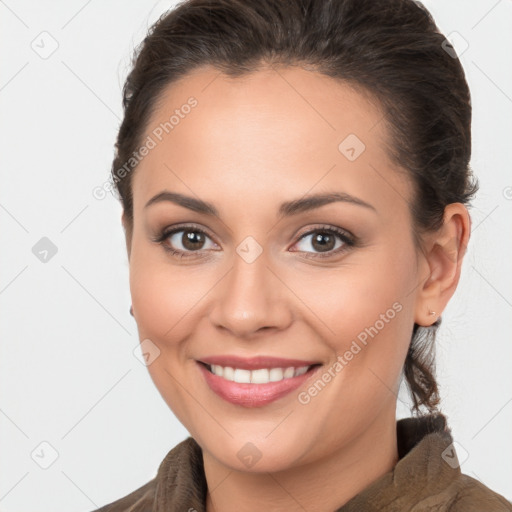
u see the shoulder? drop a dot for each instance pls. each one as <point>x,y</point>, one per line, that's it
<point>471,495</point>
<point>175,467</point>
<point>139,500</point>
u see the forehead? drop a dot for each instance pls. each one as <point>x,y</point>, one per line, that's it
<point>272,131</point>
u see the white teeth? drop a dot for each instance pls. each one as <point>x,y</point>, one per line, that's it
<point>301,371</point>
<point>243,376</point>
<point>228,372</point>
<point>218,370</point>
<point>260,376</point>
<point>289,372</point>
<point>276,374</point>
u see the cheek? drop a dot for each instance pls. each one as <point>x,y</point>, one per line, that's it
<point>357,295</point>
<point>163,301</point>
<point>366,314</point>
<point>163,295</point>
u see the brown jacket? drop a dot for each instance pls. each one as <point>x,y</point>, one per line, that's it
<point>426,478</point>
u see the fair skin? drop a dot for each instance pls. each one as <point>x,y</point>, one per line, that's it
<point>250,144</point>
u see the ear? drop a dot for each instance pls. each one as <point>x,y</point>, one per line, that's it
<point>443,252</point>
<point>127,233</point>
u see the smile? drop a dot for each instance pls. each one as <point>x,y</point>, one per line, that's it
<point>254,382</point>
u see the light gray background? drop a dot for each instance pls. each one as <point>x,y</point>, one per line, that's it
<point>68,374</point>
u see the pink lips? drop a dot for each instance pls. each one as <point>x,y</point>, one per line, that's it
<point>253,395</point>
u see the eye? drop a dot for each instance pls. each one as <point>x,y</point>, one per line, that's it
<point>191,241</point>
<point>184,241</point>
<point>324,239</point>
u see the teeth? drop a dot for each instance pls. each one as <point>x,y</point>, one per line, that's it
<point>301,371</point>
<point>260,376</point>
<point>243,376</point>
<point>227,372</point>
<point>218,370</point>
<point>276,374</point>
<point>289,372</point>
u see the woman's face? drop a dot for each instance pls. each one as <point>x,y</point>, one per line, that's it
<point>268,276</point>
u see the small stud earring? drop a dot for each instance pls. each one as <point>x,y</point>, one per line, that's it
<point>432,313</point>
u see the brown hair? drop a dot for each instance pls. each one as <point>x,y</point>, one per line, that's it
<point>391,49</point>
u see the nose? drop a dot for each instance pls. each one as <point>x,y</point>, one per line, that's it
<point>251,298</point>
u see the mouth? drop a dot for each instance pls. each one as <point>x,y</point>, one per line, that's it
<point>255,382</point>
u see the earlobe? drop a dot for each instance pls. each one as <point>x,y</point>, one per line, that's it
<point>443,255</point>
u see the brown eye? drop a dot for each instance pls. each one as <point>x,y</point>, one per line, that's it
<point>324,242</point>
<point>192,240</point>
<point>185,241</point>
<point>188,240</point>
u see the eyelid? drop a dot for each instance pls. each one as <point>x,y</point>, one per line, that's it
<point>327,227</point>
<point>170,230</point>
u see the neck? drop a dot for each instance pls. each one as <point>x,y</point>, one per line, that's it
<point>343,473</point>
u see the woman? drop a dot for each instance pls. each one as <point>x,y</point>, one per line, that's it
<point>294,177</point>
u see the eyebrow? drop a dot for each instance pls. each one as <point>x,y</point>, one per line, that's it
<point>287,209</point>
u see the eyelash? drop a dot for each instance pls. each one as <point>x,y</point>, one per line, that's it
<point>347,239</point>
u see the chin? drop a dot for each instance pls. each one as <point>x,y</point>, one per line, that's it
<point>253,452</point>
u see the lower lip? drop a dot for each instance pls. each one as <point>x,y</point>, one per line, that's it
<point>253,395</point>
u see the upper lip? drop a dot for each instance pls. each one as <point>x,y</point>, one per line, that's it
<point>255,363</point>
